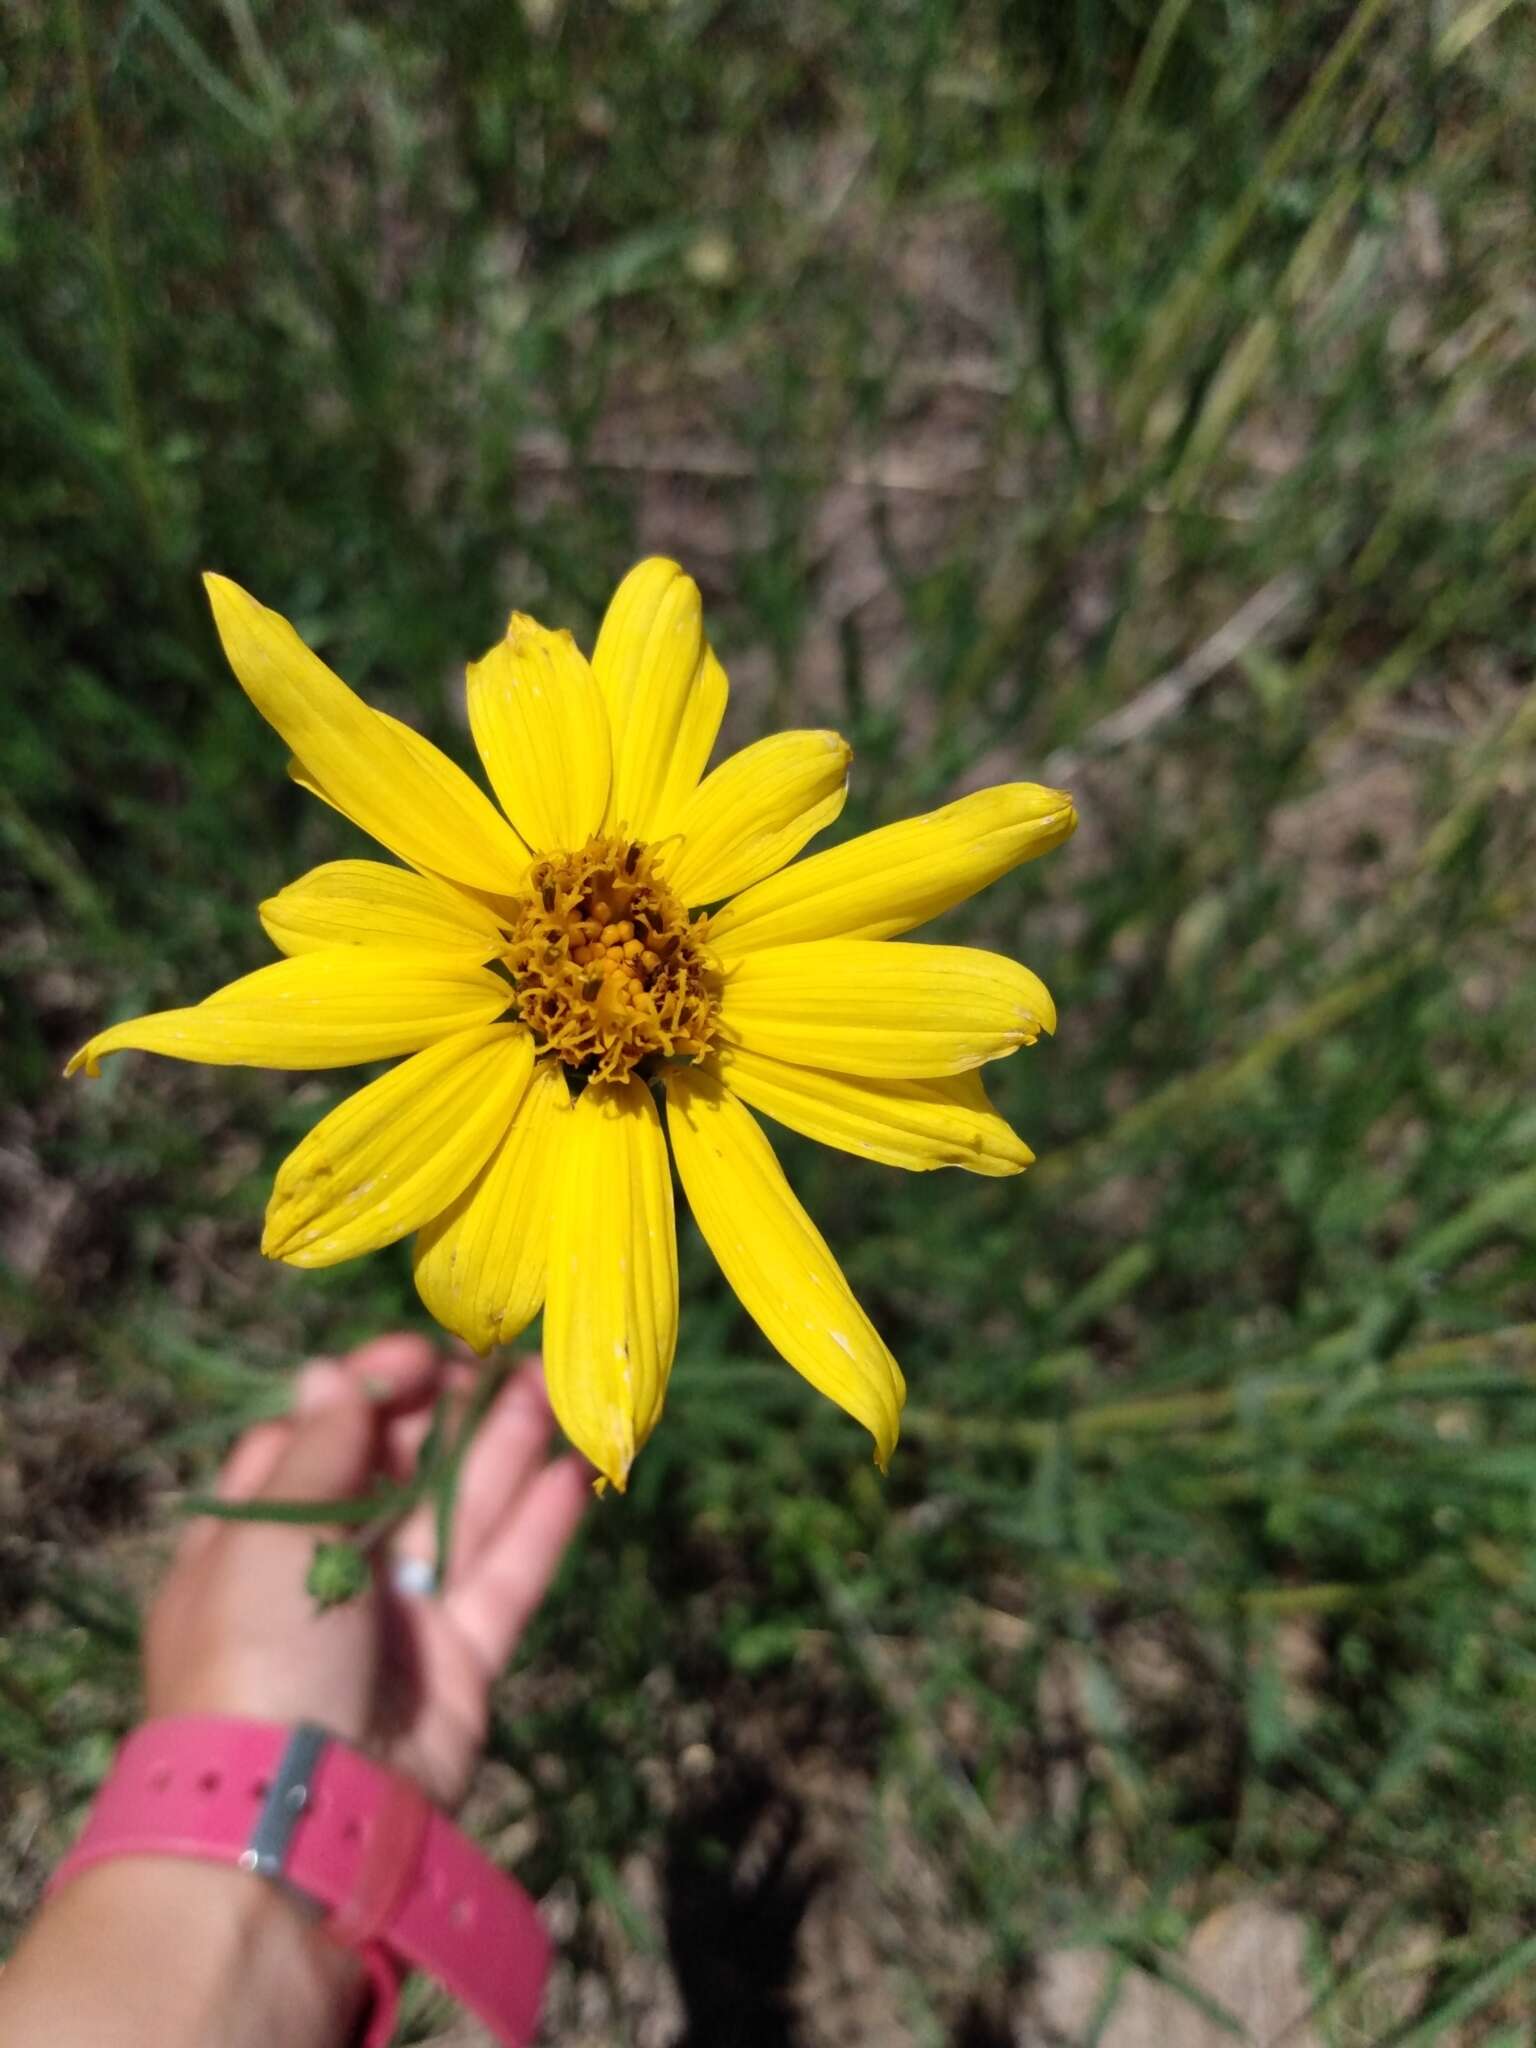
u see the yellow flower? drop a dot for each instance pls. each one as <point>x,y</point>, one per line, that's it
<point>547,977</point>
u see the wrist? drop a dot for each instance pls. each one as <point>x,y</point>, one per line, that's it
<point>181,1955</point>
<point>398,1885</point>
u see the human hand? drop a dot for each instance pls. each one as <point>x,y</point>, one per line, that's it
<point>235,1631</point>
<point>153,1952</point>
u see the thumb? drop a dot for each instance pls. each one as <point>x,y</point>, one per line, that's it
<point>330,1453</point>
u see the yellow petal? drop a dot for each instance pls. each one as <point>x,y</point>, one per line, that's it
<point>480,1265</point>
<point>610,1307</point>
<point>503,904</point>
<point>384,777</point>
<point>329,1009</point>
<point>665,694</point>
<point>365,903</point>
<point>891,880</point>
<point>398,1151</point>
<point>538,719</point>
<point>698,729</point>
<point>774,1256</point>
<point>756,811</point>
<point>898,1012</point>
<point>915,1124</point>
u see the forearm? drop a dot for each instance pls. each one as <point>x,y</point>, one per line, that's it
<point>155,1953</point>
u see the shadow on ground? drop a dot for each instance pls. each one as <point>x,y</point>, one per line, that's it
<point>740,1881</point>
<point>738,1888</point>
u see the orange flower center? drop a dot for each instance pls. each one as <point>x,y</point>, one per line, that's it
<point>609,971</point>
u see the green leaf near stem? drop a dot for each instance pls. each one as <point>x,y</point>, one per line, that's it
<point>338,1572</point>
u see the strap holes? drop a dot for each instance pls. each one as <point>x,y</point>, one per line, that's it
<point>260,1787</point>
<point>210,1781</point>
<point>354,1830</point>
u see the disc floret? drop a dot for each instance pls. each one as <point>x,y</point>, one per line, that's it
<point>608,967</point>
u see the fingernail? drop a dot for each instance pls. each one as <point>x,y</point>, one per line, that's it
<point>318,1386</point>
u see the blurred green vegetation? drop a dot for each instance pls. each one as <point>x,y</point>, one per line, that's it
<point>1133,394</point>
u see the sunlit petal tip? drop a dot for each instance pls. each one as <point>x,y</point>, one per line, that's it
<point>336,1007</point>
<point>754,813</point>
<point>610,1309</point>
<point>525,632</point>
<point>611,1457</point>
<point>917,1125</point>
<point>540,726</point>
<point>665,694</point>
<point>891,1011</point>
<point>774,1257</point>
<point>832,743</point>
<point>386,777</point>
<point>1061,822</point>
<point>648,581</point>
<point>899,876</point>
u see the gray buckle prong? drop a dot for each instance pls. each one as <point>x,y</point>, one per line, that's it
<point>292,1787</point>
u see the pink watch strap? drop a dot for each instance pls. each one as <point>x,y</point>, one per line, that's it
<point>395,1878</point>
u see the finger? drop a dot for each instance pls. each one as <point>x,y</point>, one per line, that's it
<point>406,1431</point>
<point>398,1371</point>
<point>329,1452</point>
<point>497,1599</point>
<point>405,1439</point>
<point>242,1476</point>
<point>509,1448</point>
<point>251,1463</point>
